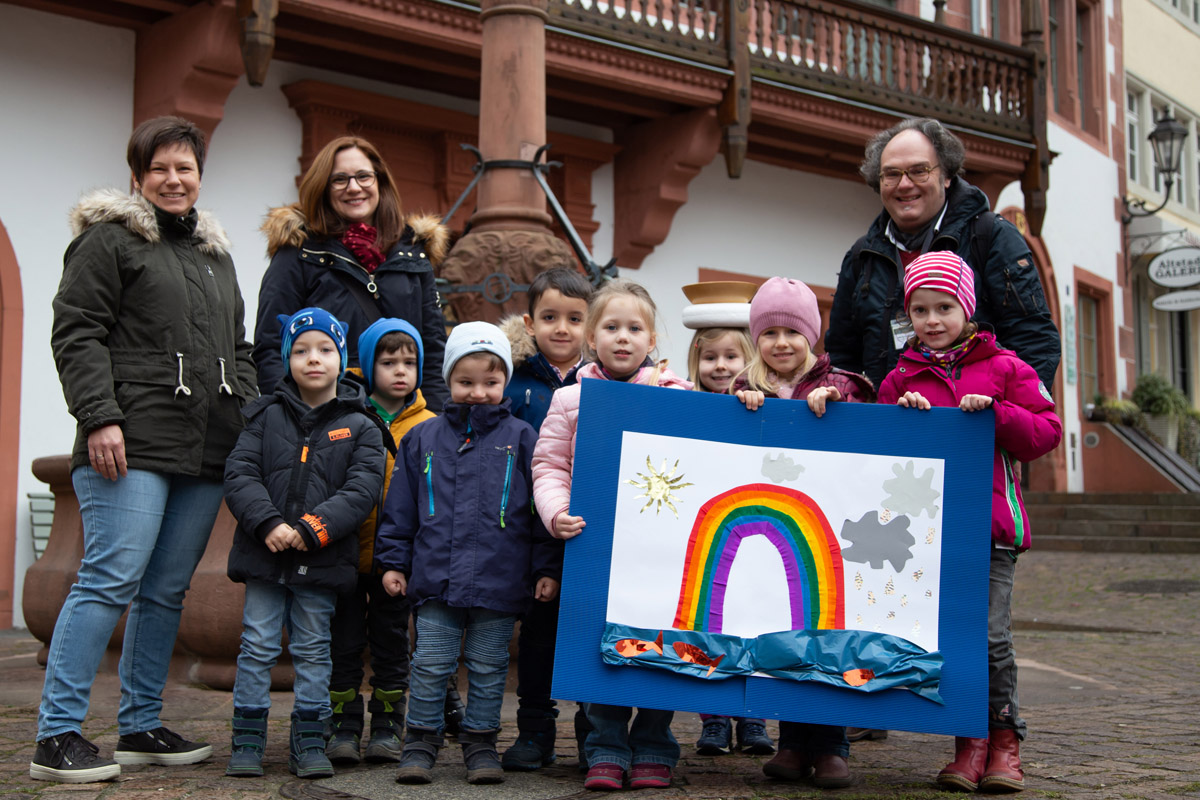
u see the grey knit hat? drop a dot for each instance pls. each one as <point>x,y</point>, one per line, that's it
<point>476,337</point>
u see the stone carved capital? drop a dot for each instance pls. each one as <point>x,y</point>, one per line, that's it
<point>517,255</point>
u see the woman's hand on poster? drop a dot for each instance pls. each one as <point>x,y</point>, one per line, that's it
<point>751,398</point>
<point>567,526</point>
<point>106,451</point>
<point>546,589</point>
<point>914,400</point>
<point>975,402</point>
<point>818,397</point>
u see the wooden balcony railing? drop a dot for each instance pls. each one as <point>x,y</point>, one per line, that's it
<point>847,49</point>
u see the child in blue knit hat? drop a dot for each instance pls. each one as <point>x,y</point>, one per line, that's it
<point>305,473</point>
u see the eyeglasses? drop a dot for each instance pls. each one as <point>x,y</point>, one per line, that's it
<point>340,180</point>
<point>891,177</point>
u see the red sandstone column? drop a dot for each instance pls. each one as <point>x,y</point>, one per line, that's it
<point>510,231</point>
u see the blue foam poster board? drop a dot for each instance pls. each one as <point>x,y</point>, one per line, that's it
<point>963,441</point>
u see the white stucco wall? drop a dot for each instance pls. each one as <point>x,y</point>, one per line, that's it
<point>771,221</point>
<point>64,130</point>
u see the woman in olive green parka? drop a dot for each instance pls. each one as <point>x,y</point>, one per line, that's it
<point>150,343</point>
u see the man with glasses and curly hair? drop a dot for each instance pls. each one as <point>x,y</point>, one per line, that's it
<point>916,167</point>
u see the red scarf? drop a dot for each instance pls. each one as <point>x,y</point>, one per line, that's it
<point>360,239</point>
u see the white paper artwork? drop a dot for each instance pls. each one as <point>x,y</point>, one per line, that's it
<point>885,512</point>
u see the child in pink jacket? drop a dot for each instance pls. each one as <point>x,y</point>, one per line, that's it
<point>620,334</point>
<point>951,363</point>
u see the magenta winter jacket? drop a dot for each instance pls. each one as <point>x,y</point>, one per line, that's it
<point>554,455</point>
<point>1026,425</point>
<point>853,387</point>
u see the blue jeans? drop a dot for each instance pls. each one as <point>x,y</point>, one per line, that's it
<point>307,611</point>
<point>440,631</point>
<point>143,536</point>
<point>614,741</point>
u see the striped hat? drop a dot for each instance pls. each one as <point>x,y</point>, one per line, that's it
<point>942,271</point>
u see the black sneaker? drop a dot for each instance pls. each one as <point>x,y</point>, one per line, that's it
<point>159,746</point>
<point>716,737</point>
<point>70,758</point>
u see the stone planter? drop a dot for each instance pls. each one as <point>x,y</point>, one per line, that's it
<point>211,626</point>
<point>1164,428</point>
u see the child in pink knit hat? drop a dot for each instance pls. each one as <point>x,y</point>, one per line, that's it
<point>785,321</point>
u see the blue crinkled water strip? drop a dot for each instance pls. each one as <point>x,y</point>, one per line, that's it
<point>823,656</point>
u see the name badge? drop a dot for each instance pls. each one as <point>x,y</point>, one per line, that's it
<point>902,331</point>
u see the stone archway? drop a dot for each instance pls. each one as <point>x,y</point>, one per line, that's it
<point>12,315</point>
<point>1048,473</point>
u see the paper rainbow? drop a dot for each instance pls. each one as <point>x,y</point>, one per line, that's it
<point>794,524</point>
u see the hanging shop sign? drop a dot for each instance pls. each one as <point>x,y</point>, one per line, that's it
<point>1178,301</point>
<point>1176,268</point>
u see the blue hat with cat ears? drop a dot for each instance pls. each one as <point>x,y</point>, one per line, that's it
<point>312,319</point>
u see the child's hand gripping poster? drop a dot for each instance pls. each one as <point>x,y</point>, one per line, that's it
<point>773,564</point>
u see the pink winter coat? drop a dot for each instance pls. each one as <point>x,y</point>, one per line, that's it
<point>554,455</point>
<point>853,387</point>
<point>1026,425</point>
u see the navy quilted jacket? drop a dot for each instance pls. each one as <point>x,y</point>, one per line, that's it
<point>458,519</point>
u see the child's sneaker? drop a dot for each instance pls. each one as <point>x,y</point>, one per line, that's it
<point>716,738</point>
<point>604,777</point>
<point>160,746</point>
<point>650,776</point>
<point>752,738</point>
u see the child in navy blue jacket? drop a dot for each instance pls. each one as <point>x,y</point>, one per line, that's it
<point>304,474</point>
<point>547,351</point>
<point>459,538</point>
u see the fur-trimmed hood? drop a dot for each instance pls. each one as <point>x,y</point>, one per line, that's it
<point>138,215</point>
<point>285,226</point>
<point>523,345</point>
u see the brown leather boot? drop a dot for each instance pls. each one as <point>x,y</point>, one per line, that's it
<point>830,771</point>
<point>1004,764</point>
<point>970,760</point>
<point>788,765</point>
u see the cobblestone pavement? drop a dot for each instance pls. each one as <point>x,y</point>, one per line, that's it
<point>1108,688</point>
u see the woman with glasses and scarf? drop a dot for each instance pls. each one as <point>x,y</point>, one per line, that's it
<point>347,247</point>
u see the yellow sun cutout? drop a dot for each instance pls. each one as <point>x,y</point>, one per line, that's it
<point>659,485</point>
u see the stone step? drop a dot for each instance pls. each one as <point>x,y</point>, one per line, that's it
<point>1114,544</point>
<point>1130,513</point>
<point>1114,529</point>
<point>1114,498</point>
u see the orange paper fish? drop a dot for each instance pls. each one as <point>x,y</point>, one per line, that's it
<point>632,648</point>
<point>694,655</point>
<point>858,677</point>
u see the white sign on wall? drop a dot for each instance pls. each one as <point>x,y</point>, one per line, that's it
<point>1176,268</point>
<point>1178,301</point>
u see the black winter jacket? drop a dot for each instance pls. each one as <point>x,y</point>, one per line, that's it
<point>149,333</point>
<point>316,272</point>
<point>1008,293</point>
<point>318,469</point>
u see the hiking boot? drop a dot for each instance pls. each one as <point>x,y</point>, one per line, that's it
<point>421,747</point>
<point>387,709</point>
<point>534,748</point>
<point>752,737</point>
<point>249,740</point>
<point>306,751</point>
<point>1003,773</point>
<point>454,708</point>
<point>70,758</point>
<point>479,754</point>
<point>344,726</point>
<point>716,738</point>
<point>159,746</point>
